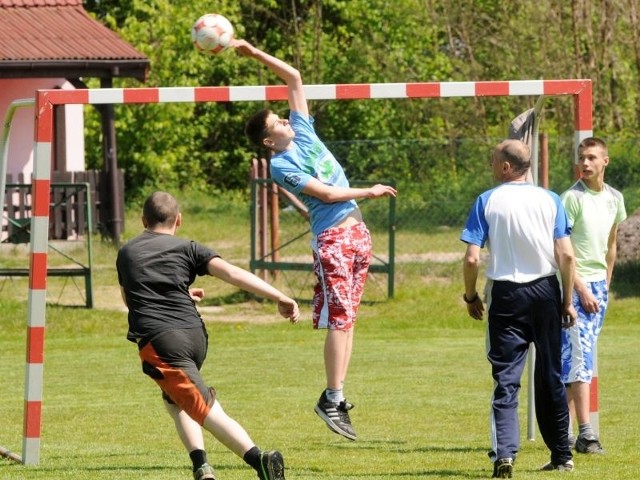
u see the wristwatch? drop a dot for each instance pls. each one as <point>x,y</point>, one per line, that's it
<point>470,300</point>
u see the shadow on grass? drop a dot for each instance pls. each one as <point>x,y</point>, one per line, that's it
<point>430,473</point>
<point>440,449</point>
<point>67,306</point>
<point>476,474</point>
<point>124,468</point>
<point>626,279</point>
<point>396,446</point>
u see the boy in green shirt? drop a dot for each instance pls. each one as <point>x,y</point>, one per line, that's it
<point>595,209</point>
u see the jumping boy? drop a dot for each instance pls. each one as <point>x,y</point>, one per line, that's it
<point>341,245</point>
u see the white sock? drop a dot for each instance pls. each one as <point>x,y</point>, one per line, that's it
<point>334,396</point>
<point>586,430</point>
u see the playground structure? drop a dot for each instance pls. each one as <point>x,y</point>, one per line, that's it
<point>72,208</point>
<point>45,100</point>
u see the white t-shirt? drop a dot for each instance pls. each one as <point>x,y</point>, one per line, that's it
<point>519,223</point>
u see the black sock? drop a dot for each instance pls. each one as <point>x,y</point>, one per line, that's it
<point>252,458</point>
<point>199,458</point>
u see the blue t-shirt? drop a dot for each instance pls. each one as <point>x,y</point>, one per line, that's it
<point>310,158</point>
<point>519,222</point>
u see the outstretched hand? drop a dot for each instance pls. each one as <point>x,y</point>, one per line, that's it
<point>380,190</point>
<point>288,308</point>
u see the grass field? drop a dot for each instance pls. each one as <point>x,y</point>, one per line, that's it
<point>419,379</point>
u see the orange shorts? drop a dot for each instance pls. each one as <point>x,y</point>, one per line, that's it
<point>173,360</point>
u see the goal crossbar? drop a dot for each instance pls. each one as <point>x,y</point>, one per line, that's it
<point>45,100</point>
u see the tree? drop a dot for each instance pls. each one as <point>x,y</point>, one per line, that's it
<point>439,143</point>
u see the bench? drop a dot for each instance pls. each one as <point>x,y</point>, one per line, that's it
<point>59,272</point>
<point>69,215</point>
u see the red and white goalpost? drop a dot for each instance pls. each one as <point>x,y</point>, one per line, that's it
<point>45,100</point>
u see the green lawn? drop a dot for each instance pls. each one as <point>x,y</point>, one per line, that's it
<point>419,379</point>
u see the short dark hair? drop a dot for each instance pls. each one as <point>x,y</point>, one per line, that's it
<point>160,208</point>
<point>256,127</point>
<point>593,142</point>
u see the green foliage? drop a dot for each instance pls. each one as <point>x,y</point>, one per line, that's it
<point>622,171</point>
<point>419,376</point>
<point>172,145</point>
<point>375,41</point>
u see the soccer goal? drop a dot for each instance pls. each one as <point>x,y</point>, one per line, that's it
<point>45,100</point>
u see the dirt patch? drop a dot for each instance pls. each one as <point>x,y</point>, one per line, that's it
<point>108,298</point>
<point>629,239</point>
<point>438,257</point>
<point>245,314</point>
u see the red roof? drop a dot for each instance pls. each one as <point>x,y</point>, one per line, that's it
<point>49,38</point>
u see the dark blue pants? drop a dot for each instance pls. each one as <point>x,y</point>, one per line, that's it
<point>521,314</point>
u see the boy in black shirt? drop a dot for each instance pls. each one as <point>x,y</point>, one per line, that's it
<point>155,271</point>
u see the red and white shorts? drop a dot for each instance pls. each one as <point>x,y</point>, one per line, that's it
<point>341,258</point>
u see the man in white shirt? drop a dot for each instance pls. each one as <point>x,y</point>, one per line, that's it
<point>527,231</point>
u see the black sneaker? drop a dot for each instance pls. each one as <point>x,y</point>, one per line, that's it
<point>503,468</point>
<point>205,472</point>
<point>271,466</point>
<point>336,416</point>
<point>588,444</point>
<point>562,467</point>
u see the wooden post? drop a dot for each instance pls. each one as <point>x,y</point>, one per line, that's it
<point>275,227</point>
<point>264,221</point>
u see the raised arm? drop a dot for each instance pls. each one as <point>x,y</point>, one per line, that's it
<point>284,71</point>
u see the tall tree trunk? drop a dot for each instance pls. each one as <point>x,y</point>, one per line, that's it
<point>635,32</point>
<point>317,42</point>
<point>607,65</point>
<point>577,48</point>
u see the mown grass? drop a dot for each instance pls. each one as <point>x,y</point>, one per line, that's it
<point>419,379</point>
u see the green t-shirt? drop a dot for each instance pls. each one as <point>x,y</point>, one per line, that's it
<point>592,214</point>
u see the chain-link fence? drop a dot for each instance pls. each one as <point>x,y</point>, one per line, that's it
<point>403,240</point>
<point>437,183</point>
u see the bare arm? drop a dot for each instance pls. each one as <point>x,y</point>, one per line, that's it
<point>124,296</point>
<point>331,194</point>
<point>287,307</point>
<point>470,269</point>
<point>587,299</point>
<point>612,252</point>
<point>565,258</point>
<point>284,71</point>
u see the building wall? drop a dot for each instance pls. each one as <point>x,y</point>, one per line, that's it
<point>21,141</point>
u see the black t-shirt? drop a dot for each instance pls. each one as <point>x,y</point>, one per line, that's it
<point>156,270</point>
